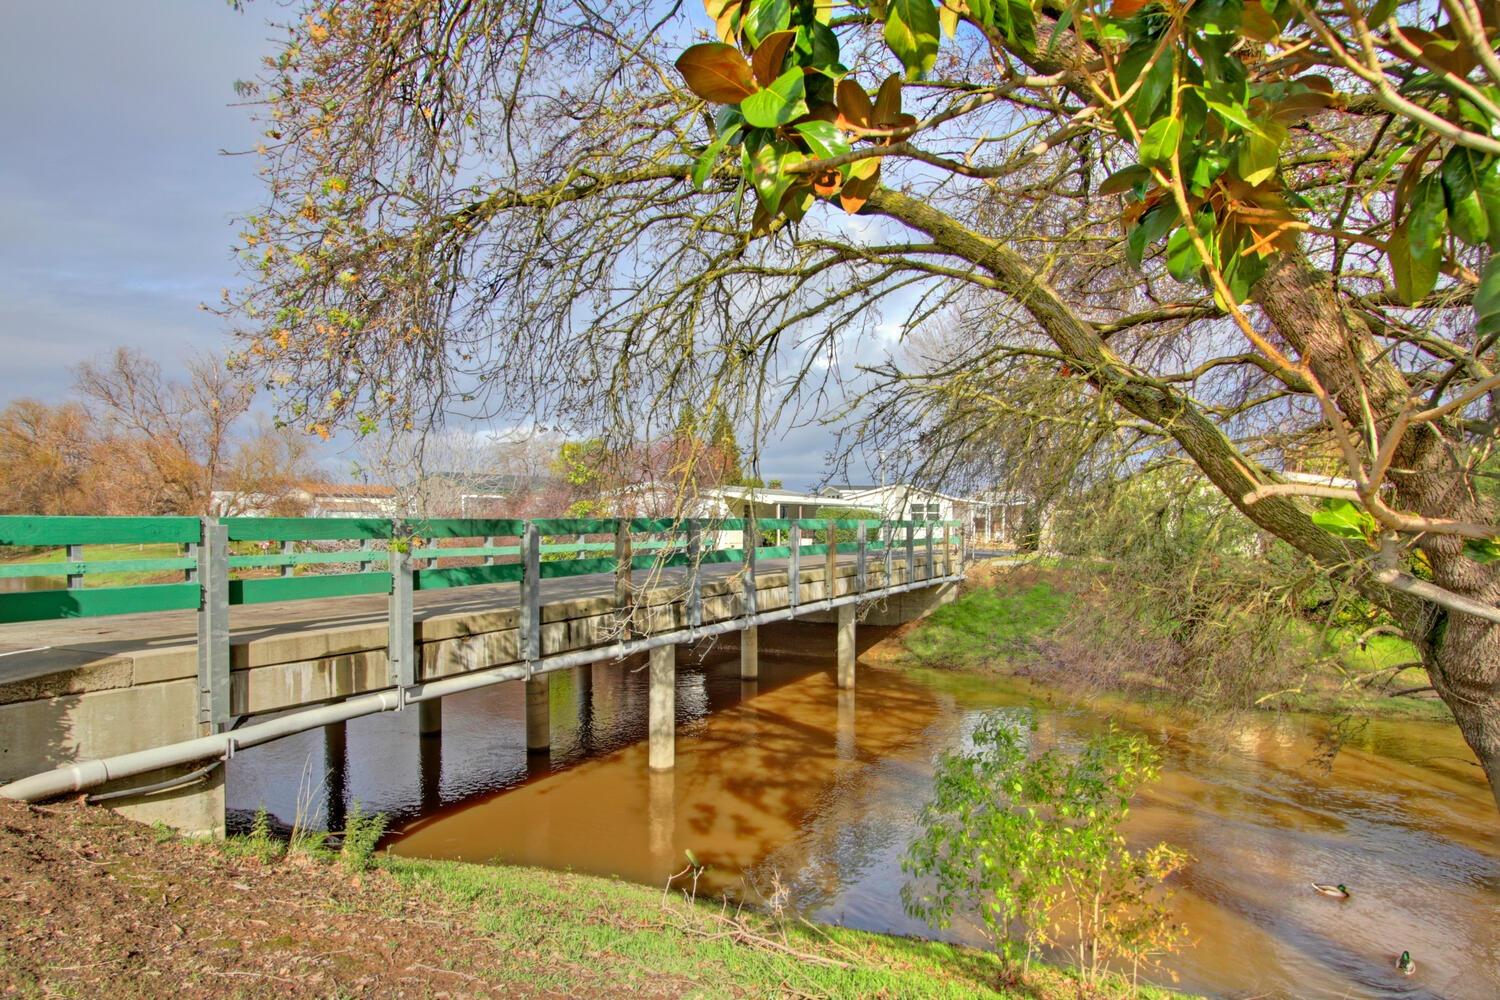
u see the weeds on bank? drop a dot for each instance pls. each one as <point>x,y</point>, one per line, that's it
<point>362,831</point>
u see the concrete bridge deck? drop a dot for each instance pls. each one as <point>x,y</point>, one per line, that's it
<point>90,689</point>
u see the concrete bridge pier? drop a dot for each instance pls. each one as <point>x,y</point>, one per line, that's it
<point>538,714</point>
<point>430,716</point>
<point>750,653</point>
<point>846,646</point>
<point>662,712</point>
<point>335,772</point>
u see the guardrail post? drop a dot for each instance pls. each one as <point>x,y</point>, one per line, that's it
<point>911,553</point>
<point>927,573</point>
<point>365,545</point>
<point>213,626</point>
<point>830,560</point>
<point>694,598</point>
<point>531,596</point>
<point>947,551</point>
<point>794,566</point>
<point>287,548</point>
<point>401,647</point>
<point>862,535</point>
<point>623,596</point>
<point>751,540</point>
<point>889,531</point>
<point>75,554</point>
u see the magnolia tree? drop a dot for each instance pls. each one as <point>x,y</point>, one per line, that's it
<point>1252,236</point>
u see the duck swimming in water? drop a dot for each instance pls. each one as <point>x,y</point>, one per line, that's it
<point>1405,965</point>
<point>1336,891</point>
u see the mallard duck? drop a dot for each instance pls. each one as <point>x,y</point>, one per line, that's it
<point>1405,965</point>
<point>1336,891</point>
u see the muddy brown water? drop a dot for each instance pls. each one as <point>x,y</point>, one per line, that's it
<point>787,781</point>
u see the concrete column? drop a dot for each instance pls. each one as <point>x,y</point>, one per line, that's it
<point>663,708</point>
<point>335,772</point>
<point>846,645</point>
<point>662,821</point>
<point>750,653</point>
<point>538,714</point>
<point>430,716</point>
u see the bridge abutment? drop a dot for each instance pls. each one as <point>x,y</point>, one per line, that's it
<point>662,710</point>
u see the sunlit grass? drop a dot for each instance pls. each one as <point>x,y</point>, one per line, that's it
<point>549,927</point>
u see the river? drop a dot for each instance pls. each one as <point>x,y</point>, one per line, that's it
<point>787,781</point>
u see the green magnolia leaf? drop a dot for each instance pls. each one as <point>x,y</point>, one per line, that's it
<point>1344,519</point>
<point>1460,176</point>
<point>1160,142</point>
<point>1183,260</point>
<point>1426,225</point>
<point>1487,299</point>
<point>911,31</point>
<point>766,17</point>
<point>1232,114</point>
<point>1484,550</point>
<point>1124,179</point>
<point>1259,152</point>
<point>705,163</point>
<point>823,138</point>
<point>777,104</point>
<point>1016,22</point>
<point>1153,226</point>
<point>768,173</point>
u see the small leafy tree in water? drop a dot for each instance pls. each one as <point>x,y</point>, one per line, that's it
<point>1031,845</point>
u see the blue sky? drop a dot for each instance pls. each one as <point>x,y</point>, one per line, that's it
<point>117,201</point>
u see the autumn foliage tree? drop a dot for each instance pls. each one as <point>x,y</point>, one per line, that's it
<point>1231,233</point>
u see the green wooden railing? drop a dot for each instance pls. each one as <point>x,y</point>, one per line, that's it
<point>94,572</point>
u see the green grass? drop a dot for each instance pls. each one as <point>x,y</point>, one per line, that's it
<point>552,927</point>
<point>987,624</point>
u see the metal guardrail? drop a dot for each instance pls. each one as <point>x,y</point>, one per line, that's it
<point>400,557</point>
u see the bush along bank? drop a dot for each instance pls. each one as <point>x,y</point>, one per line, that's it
<point>1079,624</point>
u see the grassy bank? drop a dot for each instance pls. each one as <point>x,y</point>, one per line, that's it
<point>1026,619</point>
<point>93,904</point>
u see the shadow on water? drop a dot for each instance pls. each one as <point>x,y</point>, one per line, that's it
<point>787,780</point>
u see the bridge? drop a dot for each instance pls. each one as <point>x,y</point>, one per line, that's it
<point>157,647</point>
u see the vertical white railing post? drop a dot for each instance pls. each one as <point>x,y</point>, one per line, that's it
<point>531,596</point>
<point>694,598</point>
<point>213,626</point>
<point>751,540</point>
<point>861,582</point>
<point>911,553</point>
<point>927,571</point>
<point>401,645</point>
<point>794,566</point>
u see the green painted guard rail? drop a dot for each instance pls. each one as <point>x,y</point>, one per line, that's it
<point>92,577</point>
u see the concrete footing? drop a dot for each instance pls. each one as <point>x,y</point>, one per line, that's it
<point>846,646</point>
<point>430,716</point>
<point>750,653</point>
<point>538,714</point>
<point>662,715</point>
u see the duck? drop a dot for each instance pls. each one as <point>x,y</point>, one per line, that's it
<point>1405,965</point>
<point>1336,891</point>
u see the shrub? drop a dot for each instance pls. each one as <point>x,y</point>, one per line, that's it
<point>1031,845</point>
<point>362,831</point>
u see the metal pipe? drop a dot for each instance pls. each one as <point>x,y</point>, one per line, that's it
<point>93,773</point>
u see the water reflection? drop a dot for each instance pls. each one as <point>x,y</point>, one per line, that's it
<point>787,778</point>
